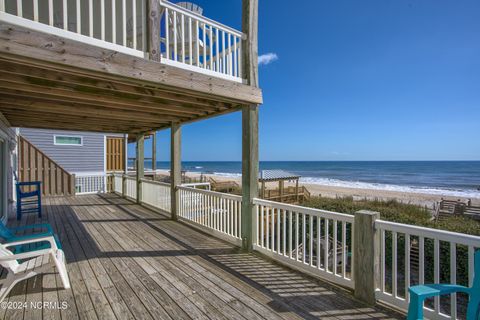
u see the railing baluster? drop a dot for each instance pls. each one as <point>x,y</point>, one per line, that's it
<point>304,244</point>
<point>310,249</point>
<point>267,225</point>
<point>217,50</point>
<point>124,22</point>
<point>90,18</point>
<point>278,218</point>
<point>296,235</point>
<point>65,14</point>
<point>436,271</point>
<point>114,21</point>
<point>394,264</point>
<point>211,46</point>
<point>20,8</point>
<point>79,17</point>
<point>326,240</point>
<point>334,262</point>
<point>197,42</point>
<point>407,266</point>
<point>284,227</point>
<point>453,279</point>
<point>471,266</point>
<point>167,34</point>
<point>290,234</point>
<point>190,41</point>
<point>382,260</point>
<point>102,19</point>
<point>175,52</point>
<point>262,228</point>
<point>319,243</point>
<point>204,34</point>
<point>344,249</point>
<point>272,210</point>
<point>182,21</point>
<point>235,66</point>
<point>134,23</point>
<point>421,258</point>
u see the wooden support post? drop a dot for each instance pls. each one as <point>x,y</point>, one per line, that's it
<point>280,190</point>
<point>296,191</point>
<point>249,124</point>
<point>153,37</point>
<point>366,248</point>
<point>124,185</point>
<point>175,167</point>
<point>140,159</point>
<point>125,155</point>
<point>154,152</point>
<point>249,173</point>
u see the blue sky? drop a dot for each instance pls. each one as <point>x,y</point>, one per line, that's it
<point>355,80</point>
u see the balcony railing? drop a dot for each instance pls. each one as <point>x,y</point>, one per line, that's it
<point>187,39</point>
<point>321,243</point>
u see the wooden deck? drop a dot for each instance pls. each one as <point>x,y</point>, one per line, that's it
<point>127,262</point>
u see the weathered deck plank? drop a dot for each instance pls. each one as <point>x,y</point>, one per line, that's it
<point>128,262</point>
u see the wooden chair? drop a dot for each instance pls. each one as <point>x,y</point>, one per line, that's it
<point>29,198</point>
<point>418,294</point>
<point>22,266</point>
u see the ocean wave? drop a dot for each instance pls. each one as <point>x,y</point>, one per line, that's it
<point>228,174</point>
<point>391,187</point>
<point>198,167</point>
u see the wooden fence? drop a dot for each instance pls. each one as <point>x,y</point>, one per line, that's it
<point>34,165</point>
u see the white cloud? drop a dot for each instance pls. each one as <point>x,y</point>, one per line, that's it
<point>267,58</point>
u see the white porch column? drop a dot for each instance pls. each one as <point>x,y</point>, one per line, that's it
<point>175,167</point>
<point>140,154</point>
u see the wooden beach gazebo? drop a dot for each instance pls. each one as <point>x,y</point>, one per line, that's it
<point>280,176</point>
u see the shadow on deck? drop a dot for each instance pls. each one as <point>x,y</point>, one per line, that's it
<point>128,262</point>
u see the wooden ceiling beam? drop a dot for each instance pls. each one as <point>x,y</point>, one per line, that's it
<point>59,108</point>
<point>24,68</point>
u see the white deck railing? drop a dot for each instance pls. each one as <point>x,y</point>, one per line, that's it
<point>90,183</point>
<point>413,255</point>
<point>315,241</point>
<point>188,40</point>
<point>220,212</point>
<point>118,183</point>
<point>204,45</point>
<point>156,194</point>
<point>130,187</point>
<point>320,243</point>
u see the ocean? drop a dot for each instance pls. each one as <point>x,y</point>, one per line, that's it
<point>449,178</point>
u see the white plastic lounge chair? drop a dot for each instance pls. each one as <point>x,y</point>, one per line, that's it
<point>28,264</point>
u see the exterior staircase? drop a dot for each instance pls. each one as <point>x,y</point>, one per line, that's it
<point>34,165</point>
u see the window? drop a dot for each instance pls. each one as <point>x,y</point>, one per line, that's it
<point>68,140</point>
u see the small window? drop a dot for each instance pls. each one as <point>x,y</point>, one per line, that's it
<point>68,140</point>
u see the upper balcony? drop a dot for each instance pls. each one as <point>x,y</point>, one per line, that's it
<point>186,38</point>
<point>165,60</point>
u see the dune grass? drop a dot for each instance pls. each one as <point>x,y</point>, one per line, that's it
<point>395,211</point>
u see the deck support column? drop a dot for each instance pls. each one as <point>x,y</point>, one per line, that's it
<point>154,152</point>
<point>175,168</point>
<point>140,154</point>
<point>249,174</point>
<point>366,248</point>
<point>249,124</point>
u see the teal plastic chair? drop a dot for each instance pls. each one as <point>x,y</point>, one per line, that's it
<point>10,235</point>
<point>418,294</point>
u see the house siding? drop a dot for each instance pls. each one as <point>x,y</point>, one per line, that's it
<point>75,159</point>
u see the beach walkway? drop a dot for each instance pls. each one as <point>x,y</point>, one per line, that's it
<point>128,262</point>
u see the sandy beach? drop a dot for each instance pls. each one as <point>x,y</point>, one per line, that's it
<point>423,199</point>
